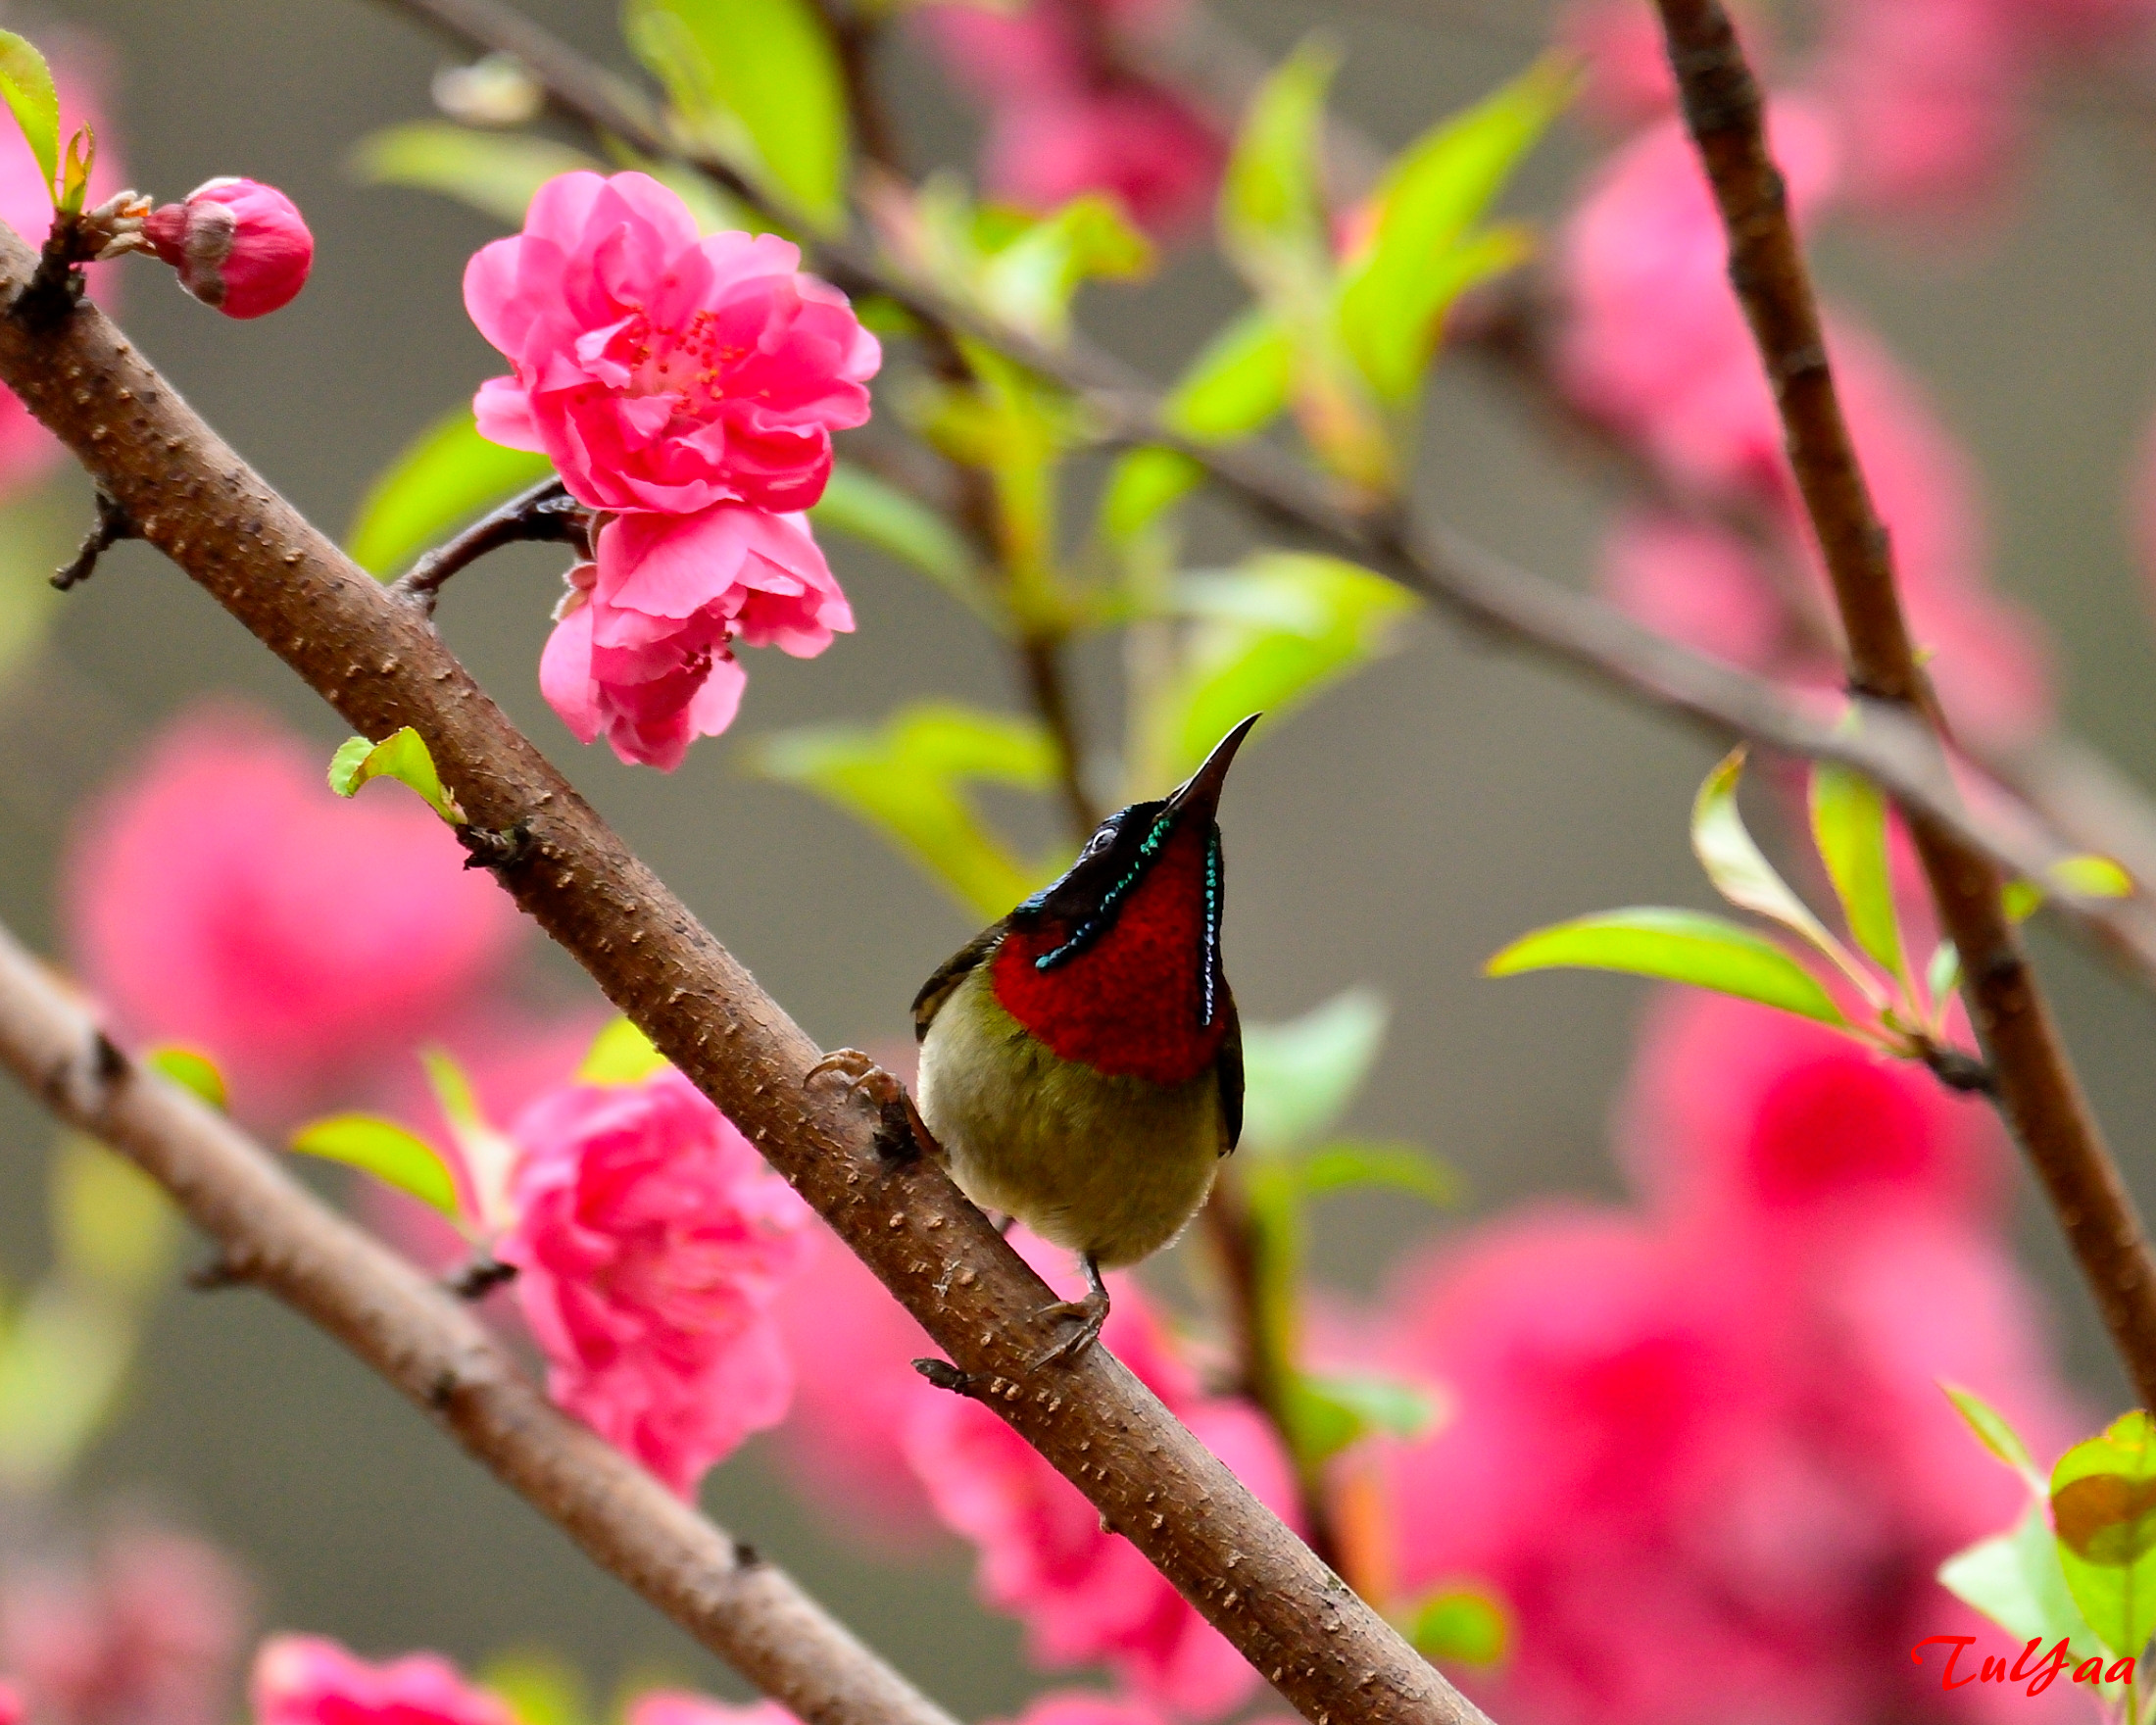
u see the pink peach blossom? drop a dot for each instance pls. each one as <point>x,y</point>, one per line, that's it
<point>222,896</point>
<point>1083,1594</point>
<point>665,1707</point>
<point>309,1680</point>
<point>660,370</point>
<point>143,1628</point>
<point>643,651</point>
<point>12,1711</point>
<point>241,247</point>
<point>652,1240</point>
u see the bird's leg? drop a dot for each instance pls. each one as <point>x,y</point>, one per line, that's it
<point>903,1134</point>
<point>1091,1312</point>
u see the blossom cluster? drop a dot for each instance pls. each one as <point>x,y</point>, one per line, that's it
<point>686,387</point>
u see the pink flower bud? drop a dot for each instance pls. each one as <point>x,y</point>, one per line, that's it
<point>239,246</point>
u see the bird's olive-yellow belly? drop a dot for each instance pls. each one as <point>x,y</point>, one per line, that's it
<point>1111,1166</point>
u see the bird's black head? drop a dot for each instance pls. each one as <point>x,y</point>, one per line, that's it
<point>1124,848</point>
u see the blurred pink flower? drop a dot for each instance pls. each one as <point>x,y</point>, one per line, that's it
<point>652,1240</point>
<point>856,1389</point>
<point>643,651</point>
<point>1082,1593</point>
<point>1746,1122</point>
<point>143,1630</point>
<point>660,370</point>
<point>27,451</point>
<point>309,1680</point>
<point>1085,1706</point>
<point>222,896</point>
<point>11,1703</point>
<point>240,247</point>
<point>666,1706</point>
<point>1656,350</point>
<point>1066,114</point>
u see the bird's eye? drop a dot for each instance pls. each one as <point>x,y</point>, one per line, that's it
<point>1102,837</point>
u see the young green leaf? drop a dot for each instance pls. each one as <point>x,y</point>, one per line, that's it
<point>1298,1077</point>
<point>621,1054</point>
<point>387,1151</point>
<point>1676,945</point>
<point>2092,877</point>
<point>489,1157</point>
<point>1354,1163</point>
<point>759,82</point>
<point>75,175</point>
<point>540,1686</point>
<point>2014,1579</point>
<point>1745,877</point>
<point>1422,252</point>
<point>495,172</point>
<point>858,503</point>
<point>1330,1413</point>
<point>440,480</point>
<point>1461,1625</point>
<point>1850,826</point>
<point>25,81</point>
<point>1942,975</point>
<point>1997,1435</point>
<point>1272,215</point>
<point>1269,637</point>
<point>2103,1509</point>
<point>1031,280</point>
<point>403,757</point>
<point>62,1364</point>
<point>1145,483</point>
<point>190,1069</point>
<point>1237,384</point>
<point>113,1226</point>
<point>2019,899</point>
<point>907,779</point>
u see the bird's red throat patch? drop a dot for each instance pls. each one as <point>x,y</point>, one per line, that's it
<point>1132,1003</point>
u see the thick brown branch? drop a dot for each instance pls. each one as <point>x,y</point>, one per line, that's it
<point>382,666</point>
<point>272,1234</point>
<point>2035,1085</point>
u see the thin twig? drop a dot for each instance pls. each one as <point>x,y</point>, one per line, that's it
<point>382,666</point>
<point>274,1234</point>
<point>1041,664</point>
<point>2032,1075</point>
<point>108,530</point>
<point>545,515</point>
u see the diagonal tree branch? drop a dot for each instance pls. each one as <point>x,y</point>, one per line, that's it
<point>2036,1087</point>
<point>271,1231</point>
<point>379,663</point>
<point>1509,603</point>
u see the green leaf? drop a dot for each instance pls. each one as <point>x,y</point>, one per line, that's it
<point>2021,899</point>
<point>540,1686</point>
<point>403,757</point>
<point>1298,1077</point>
<point>907,779</point>
<point>1239,382</point>
<point>62,1364</point>
<point>1269,637</point>
<point>1850,826</point>
<point>1422,252</point>
<point>26,81</point>
<point>191,1069</point>
<point>1943,974</point>
<point>113,1226</point>
<point>621,1054</point>
<point>759,82</point>
<point>2093,878</point>
<point>1031,281</point>
<point>2014,1578</point>
<point>488,1154</point>
<point>1144,483</point>
<point>1272,215</point>
<point>387,1151</point>
<point>1735,864</point>
<point>1354,1163</point>
<point>862,506</point>
<point>39,530</point>
<point>1461,1625</point>
<point>2103,1509</point>
<point>1995,1434</point>
<point>75,177</point>
<point>444,477</point>
<point>1332,1411</point>
<point>1676,945</point>
<point>495,172</point>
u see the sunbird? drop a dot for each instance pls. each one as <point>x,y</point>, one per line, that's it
<point>1081,1057</point>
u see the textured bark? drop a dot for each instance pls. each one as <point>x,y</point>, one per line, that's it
<point>2035,1085</point>
<point>378,661</point>
<point>272,1232</point>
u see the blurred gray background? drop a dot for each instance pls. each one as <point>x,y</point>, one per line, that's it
<point>1395,834</point>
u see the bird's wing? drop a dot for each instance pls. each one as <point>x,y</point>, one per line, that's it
<point>948,974</point>
<point>1228,1065</point>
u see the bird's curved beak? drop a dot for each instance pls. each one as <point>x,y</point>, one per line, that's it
<point>1201,790</point>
